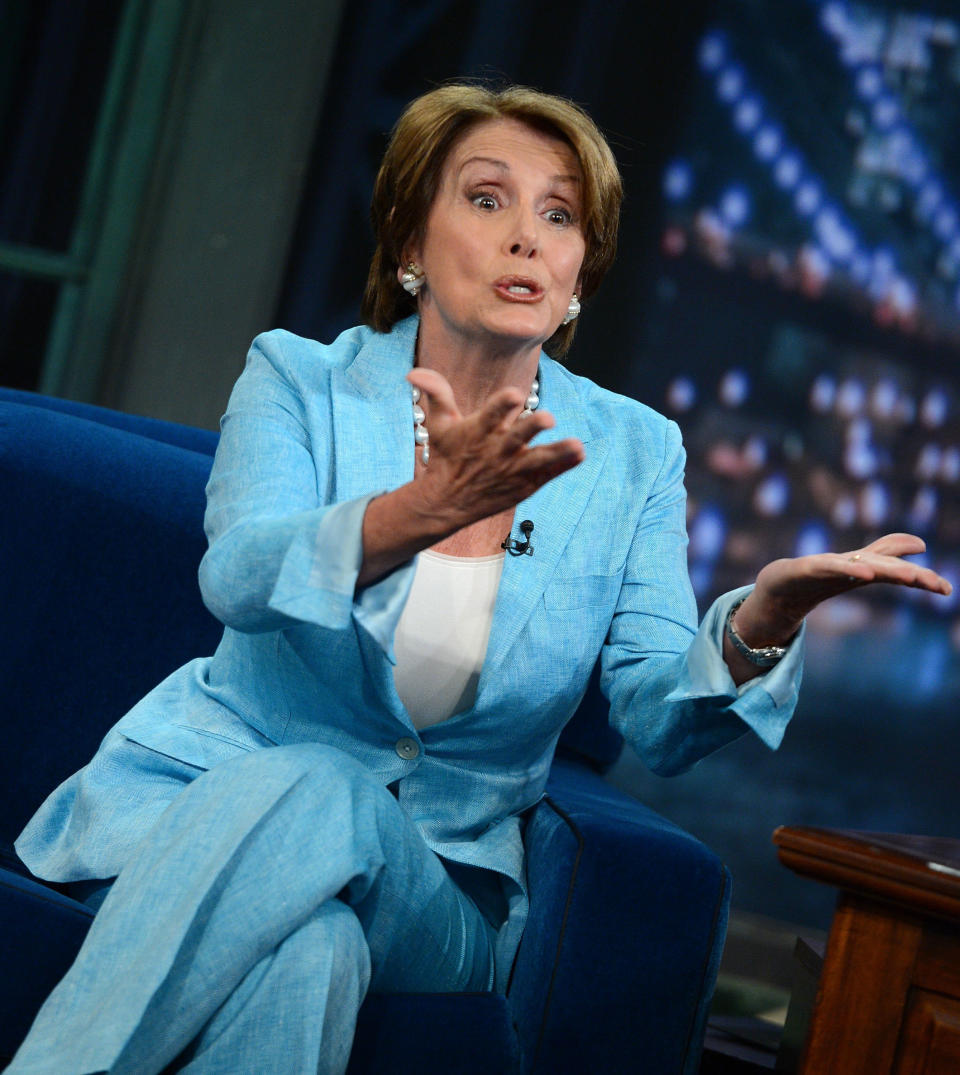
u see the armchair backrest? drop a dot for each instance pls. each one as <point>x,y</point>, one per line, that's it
<point>100,535</point>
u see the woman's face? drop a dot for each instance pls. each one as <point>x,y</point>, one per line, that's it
<point>503,243</point>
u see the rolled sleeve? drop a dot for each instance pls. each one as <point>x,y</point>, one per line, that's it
<point>764,703</point>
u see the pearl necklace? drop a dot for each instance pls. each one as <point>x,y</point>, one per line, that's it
<point>422,437</point>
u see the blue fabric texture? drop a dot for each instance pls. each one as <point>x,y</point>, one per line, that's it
<point>250,922</point>
<point>310,434</point>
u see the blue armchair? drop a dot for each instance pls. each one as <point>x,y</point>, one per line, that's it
<point>100,537</point>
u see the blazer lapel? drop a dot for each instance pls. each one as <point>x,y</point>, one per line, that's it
<point>555,510</point>
<point>371,404</point>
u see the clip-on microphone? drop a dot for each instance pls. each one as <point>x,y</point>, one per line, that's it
<point>520,548</point>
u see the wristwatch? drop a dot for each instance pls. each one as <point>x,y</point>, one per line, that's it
<point>763,656</point>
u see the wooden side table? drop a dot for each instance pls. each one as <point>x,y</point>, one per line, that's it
<point>889,993</point>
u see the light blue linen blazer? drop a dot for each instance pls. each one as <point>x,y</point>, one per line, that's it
<point>311,433</point>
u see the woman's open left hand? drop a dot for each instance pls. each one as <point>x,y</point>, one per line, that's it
<point>786,590</point>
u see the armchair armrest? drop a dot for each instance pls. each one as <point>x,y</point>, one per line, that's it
<point>42,933</point>
<point>621,950</point>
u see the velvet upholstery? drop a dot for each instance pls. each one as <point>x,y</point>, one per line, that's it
<point>101,534</point>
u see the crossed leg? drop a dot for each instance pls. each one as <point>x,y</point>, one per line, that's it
<point>250,922</point>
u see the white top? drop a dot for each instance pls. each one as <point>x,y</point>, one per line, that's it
<point>442,635</point>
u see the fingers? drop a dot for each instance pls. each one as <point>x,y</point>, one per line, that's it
<point>884,558</point>
<point>546,461</point>
<point>443,407</point>
<point>896,545</point>
<point>871,566</point>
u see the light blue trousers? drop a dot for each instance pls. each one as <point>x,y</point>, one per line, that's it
<point>245,931</point>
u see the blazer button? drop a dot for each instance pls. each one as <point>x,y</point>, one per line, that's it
<point>407,748</point>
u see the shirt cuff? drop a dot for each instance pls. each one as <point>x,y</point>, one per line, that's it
<point>705,675</point>
<point>317,582</point>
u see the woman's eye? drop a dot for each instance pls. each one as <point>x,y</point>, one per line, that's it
<point>485,201</point>
<point>559,216</point>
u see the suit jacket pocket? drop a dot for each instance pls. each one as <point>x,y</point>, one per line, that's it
<point>194,744</point>
<point>583,591</point>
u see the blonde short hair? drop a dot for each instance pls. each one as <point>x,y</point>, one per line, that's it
<point>410,174</point>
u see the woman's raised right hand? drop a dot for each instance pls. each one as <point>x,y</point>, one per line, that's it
<point>479,465</point>
<point>483,463</point>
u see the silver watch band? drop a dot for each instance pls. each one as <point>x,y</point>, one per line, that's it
<point>763,656</point>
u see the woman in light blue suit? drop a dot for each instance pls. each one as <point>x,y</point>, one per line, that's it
<point>334,799</point>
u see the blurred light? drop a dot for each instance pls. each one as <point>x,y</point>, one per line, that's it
<point>730,84</point>
<point>815,262</point>
<point>923,511</point>
<point>928,199</point>
<point>950,464</point>
<point>823,392</point>
<point>678,181</point>
<point>734,388</point>
<point>945,223</point>
<point>681,394</point>
<point>812,540</point>
<point>834,235</point>
<point>844,512</point>
<point>952,574</point>
<point>767,143</point>
<point>708,532</point>
<point>735,207</point>
<point>673,243</point>
<point>755,451</point>
<point>859,432</point>
<point>807,198</point>
<point>701,577</point>
<point>928,462</point>
<point>850,398</point>
<point>747,115</point>
<point>833,17</point>
<point>883,399</point>
<point>903,296</point>
<point>772,495</point>
<point>874,504</point>
<point>869,82</point>
<point>860,461</point>
<point>861,266</point>
<point>886,112</point>
<point>914,167</point>
<point>787,171</point>
<point>900,142</point>
<point>884,262</point>
<point>934,408</point>
<point>713,51</point>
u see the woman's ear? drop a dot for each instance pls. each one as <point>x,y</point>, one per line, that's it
<point>409,255</point>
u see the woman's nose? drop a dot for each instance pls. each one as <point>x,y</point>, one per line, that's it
<point>523,239</point>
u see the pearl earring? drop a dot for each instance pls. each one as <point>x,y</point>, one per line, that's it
<point>412,278</point>
<point>573,310</point>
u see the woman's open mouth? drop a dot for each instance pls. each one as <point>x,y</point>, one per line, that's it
<point>519,289</point>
